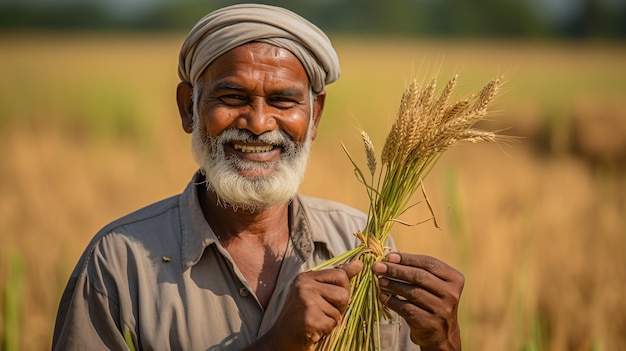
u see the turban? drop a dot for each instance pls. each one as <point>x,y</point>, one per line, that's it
<point>233,26</point>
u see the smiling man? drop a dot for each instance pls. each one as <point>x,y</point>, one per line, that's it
<point>225,265</point>
<point>258,120</point>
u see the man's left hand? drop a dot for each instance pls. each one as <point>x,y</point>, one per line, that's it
<point>425,292</point>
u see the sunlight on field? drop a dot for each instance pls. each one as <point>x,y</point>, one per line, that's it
<point>89,131</point>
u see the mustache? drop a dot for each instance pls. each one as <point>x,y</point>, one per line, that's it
<point>277,138</point>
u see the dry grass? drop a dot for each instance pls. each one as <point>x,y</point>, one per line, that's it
<point>539,235</point>
<point>423,130</point>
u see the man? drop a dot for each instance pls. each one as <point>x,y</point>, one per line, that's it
<point>225,265</point>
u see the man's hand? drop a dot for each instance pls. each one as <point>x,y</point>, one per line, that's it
<point>313,308</point>
<point>426,293</point>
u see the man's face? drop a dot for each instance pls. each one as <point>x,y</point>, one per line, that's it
<point>253,125</point>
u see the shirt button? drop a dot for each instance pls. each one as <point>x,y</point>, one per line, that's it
<point>244,292</point>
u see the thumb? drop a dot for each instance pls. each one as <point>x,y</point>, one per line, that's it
<point>353,268</point>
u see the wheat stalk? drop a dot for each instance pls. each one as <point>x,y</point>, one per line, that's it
<point>424,128</point>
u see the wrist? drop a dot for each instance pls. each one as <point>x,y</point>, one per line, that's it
<point>444,346</point>
<point>451,343</point>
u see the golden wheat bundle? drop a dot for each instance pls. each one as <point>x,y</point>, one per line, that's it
<point>424,128</point>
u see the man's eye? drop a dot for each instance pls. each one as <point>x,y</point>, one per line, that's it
<point>282,102</point>
<point>233,99</point>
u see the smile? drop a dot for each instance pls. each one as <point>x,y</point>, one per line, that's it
<point>253,148</point>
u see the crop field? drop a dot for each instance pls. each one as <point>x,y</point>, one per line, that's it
<point>89,131</point>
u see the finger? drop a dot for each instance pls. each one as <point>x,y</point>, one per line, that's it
<point>333,314</point>
<point>414,276</point>
<point>335,285</point>
<point>405,309</point>
<point>428,263</point>
<point>339,276</point>
<point>333,276</point>
<point>353,268</point>
<point>425,326</point>
<point>421,297</point>
<point>336,297</point>
<point>318,332</point>
<point>339,295</point>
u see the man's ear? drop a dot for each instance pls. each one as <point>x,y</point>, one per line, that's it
<point>318,109</point>
<point>184,99</point>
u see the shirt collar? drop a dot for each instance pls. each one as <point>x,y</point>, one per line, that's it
<point>305,232</point>
<point>197,234</point>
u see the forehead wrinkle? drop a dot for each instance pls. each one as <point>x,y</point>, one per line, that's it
<point>260,62</point>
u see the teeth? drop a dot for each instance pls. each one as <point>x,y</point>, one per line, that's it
<point>250,148</point>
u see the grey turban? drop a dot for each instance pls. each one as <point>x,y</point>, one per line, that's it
<point>233,26</point>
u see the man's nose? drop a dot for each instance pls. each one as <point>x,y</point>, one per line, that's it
<point>259,118</point>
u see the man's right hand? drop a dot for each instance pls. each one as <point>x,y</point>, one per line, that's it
<point>313,308</point>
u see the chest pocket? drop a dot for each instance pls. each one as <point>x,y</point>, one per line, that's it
<point>389,334</point>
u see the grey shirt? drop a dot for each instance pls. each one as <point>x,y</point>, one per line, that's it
<point>161,274</point>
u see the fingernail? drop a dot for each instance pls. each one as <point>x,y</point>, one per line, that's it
<point>380,268</point>
<point>393,257</point>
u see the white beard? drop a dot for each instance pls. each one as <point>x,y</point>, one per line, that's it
<point>249,193</point>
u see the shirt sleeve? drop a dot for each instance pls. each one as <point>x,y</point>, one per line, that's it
<point>88,316</point>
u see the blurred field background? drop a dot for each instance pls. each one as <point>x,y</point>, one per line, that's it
<point>89,131</point>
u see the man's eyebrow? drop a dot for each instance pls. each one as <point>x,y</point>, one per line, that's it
<point>289,92</point>
<point>227,86</point>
